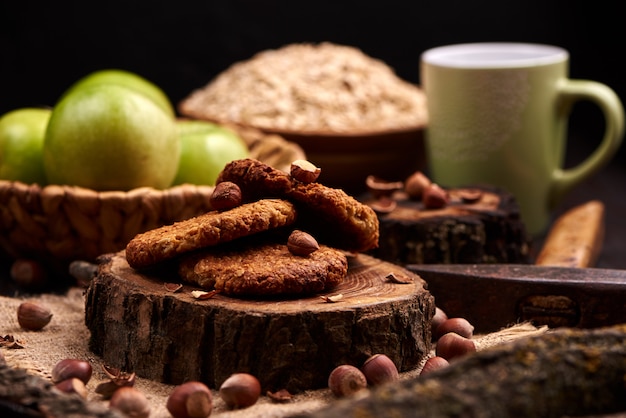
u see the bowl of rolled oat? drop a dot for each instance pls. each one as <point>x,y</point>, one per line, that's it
<point>351,113</point>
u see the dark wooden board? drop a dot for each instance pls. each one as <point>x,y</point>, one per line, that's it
<point>139,326</point>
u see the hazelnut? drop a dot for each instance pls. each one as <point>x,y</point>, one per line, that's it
<point>379,369</point>
<point>459,325</point>
<point>452,345</point>
<point>130,402</point>
<point>346,380</point>
<point>72,385</point>
<point>190,400</point>
<point>28,273</point>
<point>304,171</point>
<point>302,244</point>
<point>83,271</point>
<point>32,316</point>
<point>432,364</point>
<point>415,185</point>
<point>434,197</point>
<point>225,196</point>
<point>439,318</point>
<point>240,390</point>
<point>68,368</point>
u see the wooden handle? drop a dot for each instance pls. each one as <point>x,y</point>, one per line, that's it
<point>575,239</point>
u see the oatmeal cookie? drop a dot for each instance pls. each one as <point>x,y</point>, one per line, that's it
<point>266,269</point>
<point>164,243</point>
<point>335,218</point>
<point>256,179</point>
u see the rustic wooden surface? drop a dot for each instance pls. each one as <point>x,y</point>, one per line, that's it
<point>25,395</point>
<point>137,325</point>
<point>489,230</point>
<point>566,372</point>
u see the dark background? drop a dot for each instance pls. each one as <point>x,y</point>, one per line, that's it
<point>182,45</point>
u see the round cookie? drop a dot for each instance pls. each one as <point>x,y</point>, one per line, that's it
<point>256,179</point>
<point>212,228</point>
<point>264,270</point>
<point>334,217</point>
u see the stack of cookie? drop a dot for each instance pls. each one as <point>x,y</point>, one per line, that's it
<point>241,249</point>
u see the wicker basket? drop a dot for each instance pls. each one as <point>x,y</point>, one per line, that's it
<point>60,224</point>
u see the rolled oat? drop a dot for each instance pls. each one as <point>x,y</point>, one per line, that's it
<point>309,88</point>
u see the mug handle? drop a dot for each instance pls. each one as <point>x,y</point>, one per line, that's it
<point>570,91</point>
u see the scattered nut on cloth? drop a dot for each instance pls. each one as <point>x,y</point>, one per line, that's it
<point>66,336</point>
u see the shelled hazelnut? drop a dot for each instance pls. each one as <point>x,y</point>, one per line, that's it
<point>304,171</point>
<point>225,196</point>
<point>301,243</point>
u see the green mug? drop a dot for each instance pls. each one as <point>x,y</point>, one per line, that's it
<point>498,114</point>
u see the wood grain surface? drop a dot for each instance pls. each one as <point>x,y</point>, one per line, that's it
<point>137,325</point>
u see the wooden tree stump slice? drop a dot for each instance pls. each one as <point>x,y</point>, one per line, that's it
<point>138,325</point>
<point>488,229</point>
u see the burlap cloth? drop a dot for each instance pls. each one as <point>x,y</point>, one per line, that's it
<point>67,337</point>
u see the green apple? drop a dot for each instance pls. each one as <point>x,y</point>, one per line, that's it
<point>194,126</point>
<point>205,149</point>
<point>21,142</point>
<point>127,79</point>
<point>109,137</point>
